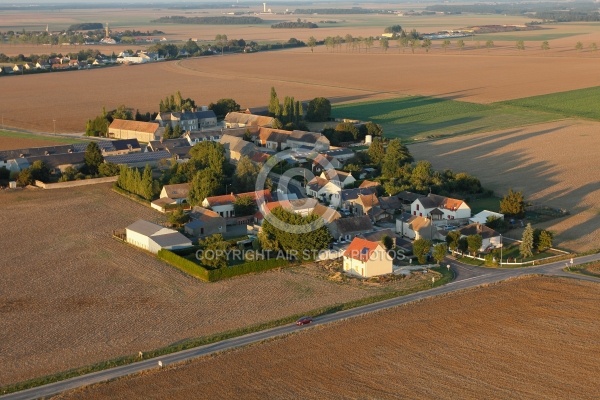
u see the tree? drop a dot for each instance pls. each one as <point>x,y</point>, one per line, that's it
<point>420,249</point>
<point>93,158</point>
<point>246,173</point>
<point>594,47</point>
<point>513,204</point>
<point>544,241</point>
<point>224,106</point>
<point>526,246</point>
<point>452,240</point>
<point>244,205</point>
<point>274,106</point>
<point>312,42</point>
<point>319,110</point>
<point>545,45</point>
<point>422,175</point>
<point>489,44</point>
<point>414,43</point>
<point>213,252</point>
<point>168,133</point>
<point>178,217</point>
<point>396,156</point>
<point>463,244</point>
<point>24,178</point>
<point>122,112</point>
<point>520,45</point>
<point>474,243</point>
<point>402,43</point>
<point>204,184</point>
<point>385,44</point>
<point>460,44</point>
<point>376,151</point>
<point>445,44</point>
<point>387,242</point>
<point>108,169</point>
<point>221,41</point>
<point>579,46</point>
<point>209,155</point>
<point>426,44</point>
<point>347,131</point>
<point>439,252</point>
<point>146,189</point>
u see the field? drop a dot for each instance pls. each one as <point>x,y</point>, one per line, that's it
<point>16,140</point>
<point>73,296</point>
<point>554,164</point>
<point>500,341</point>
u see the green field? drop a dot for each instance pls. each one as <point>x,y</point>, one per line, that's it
<point>583,103</point>
<point>53,139</point>
<point>420,117</point>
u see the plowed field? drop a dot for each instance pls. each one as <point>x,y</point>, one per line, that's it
<point>533,338</point>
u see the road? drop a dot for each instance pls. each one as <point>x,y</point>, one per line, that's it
<point>466,277</point>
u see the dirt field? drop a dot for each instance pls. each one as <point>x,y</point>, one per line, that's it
<point>524,339</point>
<point>71,295</point>
<point>555,164</point>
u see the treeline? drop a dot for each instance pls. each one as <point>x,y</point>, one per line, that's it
<point>290,25</point>
<point>141,184</point>
<point>353,10</point>
<point>224,20</point>
<point>545,11</point>
<point>86,26</point>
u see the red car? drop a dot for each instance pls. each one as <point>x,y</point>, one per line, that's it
<point>304,321</point>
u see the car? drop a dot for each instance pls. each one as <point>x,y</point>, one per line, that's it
<point>304,321</point>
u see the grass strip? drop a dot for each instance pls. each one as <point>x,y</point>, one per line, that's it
<point>188,344</point>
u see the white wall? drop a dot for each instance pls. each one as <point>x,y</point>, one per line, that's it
<point>138,240</point>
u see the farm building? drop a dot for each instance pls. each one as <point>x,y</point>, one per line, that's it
<point>139,160</point>
<point>142,131</point>
<point>367,258</point>
<point>204,223</point>
<point>153,237</point>
<point>240,120</point>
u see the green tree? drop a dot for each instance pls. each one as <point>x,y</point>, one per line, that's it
<point>168,133</point>
<point>24,178</point>
<point>545,240</point>
<point>489,44</point>
<point>347,130</point>
<point>460,44</point>
<point>579,46</point>
<point>319,110</point>
<point>177,131</point>
<point>178,217</point>
<point>594,47</point>
<point>274,106</point>
<point>387,242</point>
<point>97,126</point>
<point>513,204</point>
<point>122,112</point>
<point>422,177</point>
<point>224,106</point>
<point>403,42</point>
<point>474,243</point>
<point>376,151</point>
<point>221,41</point>
<point>426,44</point>
<point>312,43</point>
<point>213,254</point>
<point>108,169</point>
<point>385,44</point>
<point>244,205</point>
<point>445,44</point>
<point>439,252</point>
<point>526,246</point>
<point>463,244</point>
<point>414,43</point>
<point>209,155</point>
<point>246,173</point>
<point>452,240</point>
<point>93,158</point>
<point>396,155</point>
<point>146,189</point>
<point>204,184</point>
<point>420,249</point>
<point>520,45</point>
<point>545,45</point>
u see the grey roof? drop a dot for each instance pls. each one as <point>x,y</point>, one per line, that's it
<point>138,157</point>
<point>353,224</point>
<point>306,137</point>
<point>125,144</point>
<point>478,229</point>
<point>390,203</point>
<point>180,152</point>
<point>36,151</point>
<point>171,239</point>
<point>205,114</point>
<point>56,160</point>
<point>351,194</point>
<point>408,196</point>
<point>339,152</point>
<point>144,227</point>
<point>377,236</point>
<point>167,238</point>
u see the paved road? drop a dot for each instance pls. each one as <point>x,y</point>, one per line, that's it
<point>466,277</point>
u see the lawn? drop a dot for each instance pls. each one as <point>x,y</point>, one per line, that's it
<point>15,140</point>
<point>582,103</point>
<point>420,117</point>
<point>486,203</point>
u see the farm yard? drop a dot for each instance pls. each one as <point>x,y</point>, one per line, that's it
<point>502,340</point>
<point>95,298</point>
<point>554,164</point>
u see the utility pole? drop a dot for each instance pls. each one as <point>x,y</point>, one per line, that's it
<point>54,124</point>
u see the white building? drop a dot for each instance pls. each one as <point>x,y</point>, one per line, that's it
<point>481,218</point>
<point>367,258</point>
<point>440,208</point>
<point>153,237</point>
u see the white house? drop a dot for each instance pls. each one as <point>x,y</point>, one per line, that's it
<point>223,205</point>
<point>367,258</point>
<point>490,238</point>
<point>481,218</point>
<point>440,208</point>
<point>324,190</point>
<point>178,192</point>
<point>153,237</point>
<point>416,227</point>
<point>340,178</point>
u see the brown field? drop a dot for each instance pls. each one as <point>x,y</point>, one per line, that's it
<point>524,339</point>
<point>341,76</point>
<point>73,296</point>
<point>555,164</point>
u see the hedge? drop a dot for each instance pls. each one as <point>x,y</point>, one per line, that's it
<point>213,275</point>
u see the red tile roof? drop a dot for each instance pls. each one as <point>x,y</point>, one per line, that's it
<point>360,249</point>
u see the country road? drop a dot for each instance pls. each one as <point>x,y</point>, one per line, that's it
<point>466,277</point>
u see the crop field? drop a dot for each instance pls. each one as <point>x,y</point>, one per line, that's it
<point>17,140</point>
<point>499,341</point>
<point>554,164</point>
<point>73,296</point>
<point>417,117</point>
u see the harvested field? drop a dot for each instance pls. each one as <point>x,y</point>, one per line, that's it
<point>501,341</point>
<point>341,76</point>
<point>14,140</point>
<point>73,296</point>
<point>554,163</point>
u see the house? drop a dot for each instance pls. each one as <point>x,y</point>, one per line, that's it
<point>349,196</point>
<point>238,119</point>
<point>17,68</point>
<point>58,163</point>
<point>195,137</point>
<point>328,214</point>
<point>367,258</point>
<point>339,178</point>
<point>391,205</point>
<point>344,229</point>
<point>188,120</point>
<point>490,238</point>
<point>312,140</point>
<point>440,208</point>
<point>204,223</point>
<point>408,198</point>
<point>142,131</point>
<point>122,146</point>
<point>274,139</point>
<point>482,217</point>
<point>323,161</point>
<point>153,237</point>
<point>29,66</point>
<point>167,144</point>
<point>178,192</point>
<point>139,160</point>
<point>236,147</point>
<point>223,205</point>
<point>416,227</point>
<point>378,236</point>
<point>342,154</point>
<point>324,190</point>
